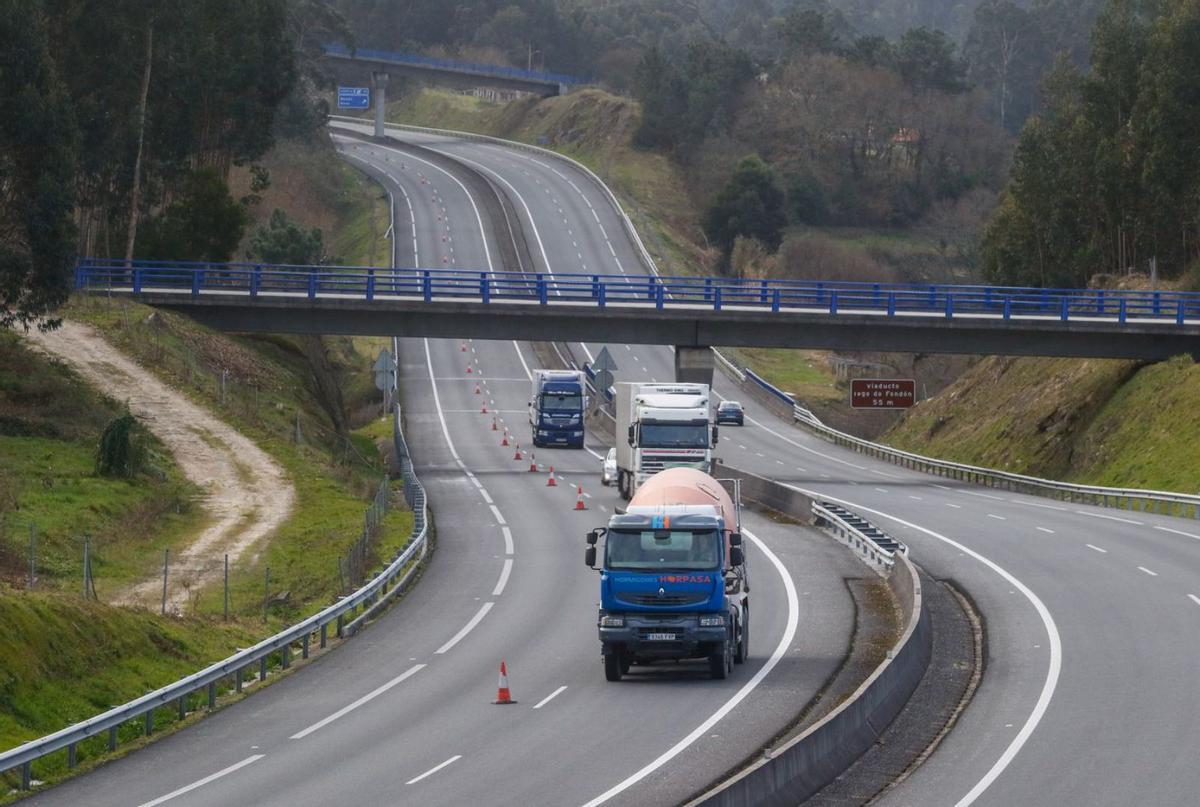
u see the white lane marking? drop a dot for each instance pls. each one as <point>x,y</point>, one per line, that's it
<point>1194,598</point>
<point>370,696</point>
<point>942,487</point>
<point>885,473</point>
<point>829,457</point>
<point>496,512</point>
<point>528,374</point>
<point>508,541</point>
<point>1178,532</point>
<point>1036,504</point>
<point>470,626</point>
<point>1052,672</point>
<point>1147,571</point>
<point>955,506</point>
<point>550,697</point>
<point>1096,548</point>
<point>916,498</point>
<point>998,518</point>
<point>1045,530</point>
<point>982,495</point>
<point>1111,518</point>
<point>780,651</point>
<point>202,782</point>
<point>437,404</point>
<point>503,581</point>
<point>482,492</point>
<point>881,490</point>
<point>434,769</point>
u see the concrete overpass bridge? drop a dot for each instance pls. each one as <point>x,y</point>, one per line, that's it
<point>378,67</point>
<point>689,313</point>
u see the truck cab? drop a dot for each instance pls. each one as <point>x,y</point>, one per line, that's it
<point>661,426</point>
<point>673,578</point>
<point>557,406</point>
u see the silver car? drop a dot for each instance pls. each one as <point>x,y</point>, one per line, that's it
<point>609,473</point>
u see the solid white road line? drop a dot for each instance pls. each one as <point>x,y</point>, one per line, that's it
<point>503,581</point>
<point>202,782</point>
<point>1052,671</point>
<point>434,769</point>
<point>1111,518</point>
<point>1178,532</point>
<point>470,626</point>
<point>1097,549</point>
<point>780,651</point>
<point>550,697</point>
<point>1147,571</point>
<point>486,496</point>
<point>496,512</point>
<point>508,541</point>
<point>370,696</point>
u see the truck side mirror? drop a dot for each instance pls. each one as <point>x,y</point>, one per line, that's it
<point>589,557</point>
<point>715,432</point>
<point>631,434</point>
<point>735,539</point>
<point>594,535</point>
<point>736,556</point>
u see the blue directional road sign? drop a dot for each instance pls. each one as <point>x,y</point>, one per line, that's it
<point>354,97</point>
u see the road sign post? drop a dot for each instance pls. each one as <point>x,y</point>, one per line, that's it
<point>883,393</point>
<point>354,97</point>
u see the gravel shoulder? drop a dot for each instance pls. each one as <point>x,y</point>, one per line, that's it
<point>248,495</point>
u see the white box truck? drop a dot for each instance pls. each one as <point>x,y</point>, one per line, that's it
<point>660,426</point>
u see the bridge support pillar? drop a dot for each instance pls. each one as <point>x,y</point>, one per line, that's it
<point>380,80</point>
<point>694,365</point>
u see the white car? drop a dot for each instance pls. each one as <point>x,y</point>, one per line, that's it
<point>609,473</point>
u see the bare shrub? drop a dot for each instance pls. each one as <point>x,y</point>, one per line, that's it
<point>814,256</point>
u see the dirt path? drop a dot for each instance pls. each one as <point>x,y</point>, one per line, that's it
<point>248,494</point>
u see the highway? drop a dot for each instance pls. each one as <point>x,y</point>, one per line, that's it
<point>1093,616</point>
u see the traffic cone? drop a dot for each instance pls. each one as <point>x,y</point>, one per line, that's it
<point>579,505</point>
<point>504,442</point>
<point>469,370</point>
<point>483,409</point>
<point>532,464</point>
<point>503,696</point>
<point>463,348</point>
<point>494,426</point>
<point>551,482</point>
<point>517,455</point>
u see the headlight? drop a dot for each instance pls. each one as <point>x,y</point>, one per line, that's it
<point>714,621</point>
<point>611,621</point>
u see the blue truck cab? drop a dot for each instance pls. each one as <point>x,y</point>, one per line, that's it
<point>557,406</point>
<point>672,586</point>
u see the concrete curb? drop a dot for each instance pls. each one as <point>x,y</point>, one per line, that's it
<point>804,765</point>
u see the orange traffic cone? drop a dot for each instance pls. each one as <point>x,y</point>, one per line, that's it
<point>469,370</point>
<point>532,464</point>
<point>504,442</point>
<point>477,392</point>
<point>483,409</point>
<point>494,426</point>
<point>463,348</point>
<point>517,454</point>
<point>503,696</point>
<point>579,505</point>
<point>551,482</point>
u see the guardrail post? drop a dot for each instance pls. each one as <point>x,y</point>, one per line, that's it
<point>891,304</point>
<point>149,721</point>
<point>775,300</point>
<point>708,289</point>
<point>658,296</point>
<point>137,281</point>
<point>949,305</point>
<point>833,302</point>
<point>197,281</point>
<point>212,695</point>
<point>485,288</point>
<point>26,776</point>
<point>340,621</point>
<point>72,756</point>
<point>286,657</point>
<point>427,285</point>
<point>324,634</point>
<point>601,300</point>
<point>370,284</point>
<point>1007,307</point>
<point>112,738</point>
<point>1157,303</point>
<point>762,294</point>
<point>1121,311</point>
<point>312,285</point>
<point>541,289</point>
<point>1179,309</point>
<point>237,680</point>
<point>255,280</point>
<point>182,706</point>
<point>1100,302</point>
<point>304,651</point>
<point>262,669</point>
<point>1065,312</point>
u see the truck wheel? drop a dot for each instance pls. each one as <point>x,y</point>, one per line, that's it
<point>743,646</point>
<point>719,663</point>
<point>626,663</point>
<point>614,666</point>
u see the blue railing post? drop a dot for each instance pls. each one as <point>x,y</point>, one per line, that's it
<point>541,289</point>
<point>987,297</point>
<point>255,280</point>
<point>708,289</point>
<point>197,281</point>
<point>1007,307</point>
<point>762,294</point>
<point>1100,302</point>
<point>595,286</point>
<point>312,284</point>
<point>949,305</point>
<point>933,296</point>
<point>875,292</point>
<point>1157,303</point>
<point>427,285</point>
<point>833,302</point>
<point>775,300</point>
<point>1179,311</point>
<point>137,281</point>
<point>603,293</point>
<point>659,296</point>
<point>1065,305</point>
<point>891,309</point>
<point>716,298</point>
<point>1121,311</point>
<point>650,287</point>
<point>820,293</point>
<point>370,284</point>
<point>485,288</point>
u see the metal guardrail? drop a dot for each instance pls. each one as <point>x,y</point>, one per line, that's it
<point>499,71</point>
<point>651,292</point>
<point>369,597</point>
<point>875,546</point>
<point>1156,501</point>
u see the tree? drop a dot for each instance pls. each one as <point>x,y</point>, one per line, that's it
<point>38,148</point>
<point>204,223</point>
<point>751,204</point>
<point>283,241</point>
<point>926,60</point>
<point>1004,55</point>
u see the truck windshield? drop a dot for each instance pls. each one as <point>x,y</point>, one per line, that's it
<point>661,550</point>
<point>561,402</point>
<point>674,435</point>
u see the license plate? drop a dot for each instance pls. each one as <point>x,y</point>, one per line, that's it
<point>661,637</point>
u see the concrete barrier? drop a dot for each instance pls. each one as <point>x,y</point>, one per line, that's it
<point>805,764</point>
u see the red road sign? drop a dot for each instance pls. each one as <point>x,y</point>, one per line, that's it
<point>883,393</point>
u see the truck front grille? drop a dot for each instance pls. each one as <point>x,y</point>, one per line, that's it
<point>665,600</point>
